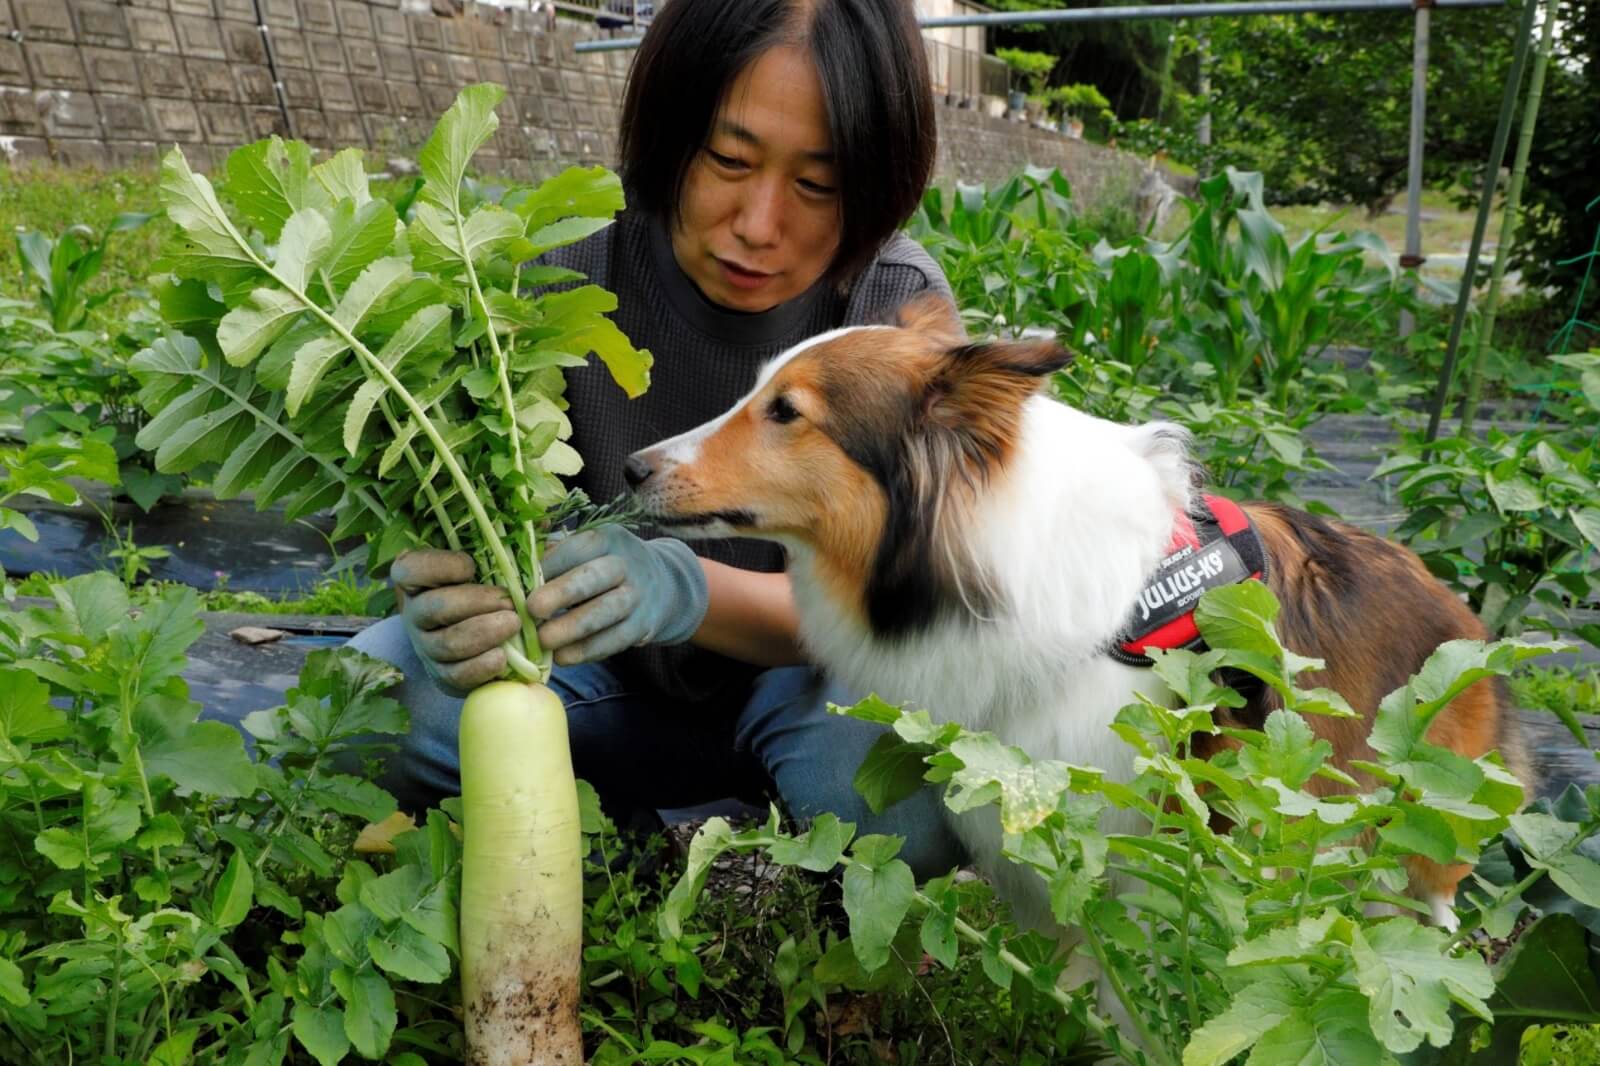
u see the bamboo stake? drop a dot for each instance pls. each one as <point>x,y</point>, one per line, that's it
<point>1508,224</point>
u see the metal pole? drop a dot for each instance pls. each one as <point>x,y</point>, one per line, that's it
<point>1491,176</point>
<point>1138,11</point>
<point>1413,257</point>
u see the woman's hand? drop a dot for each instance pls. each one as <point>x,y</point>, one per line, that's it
<point>617,592</point>
<point>456,627</point>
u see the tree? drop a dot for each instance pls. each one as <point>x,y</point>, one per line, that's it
<point>1320,104</point>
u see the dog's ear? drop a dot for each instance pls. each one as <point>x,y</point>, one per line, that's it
<point>977,390</point>
<point>933,314</point>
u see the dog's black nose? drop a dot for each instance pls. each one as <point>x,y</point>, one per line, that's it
<point>636,471</point>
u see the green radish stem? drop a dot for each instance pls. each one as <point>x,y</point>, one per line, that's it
<point>521,879</point>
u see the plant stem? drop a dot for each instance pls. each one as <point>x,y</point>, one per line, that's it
<point>513,432</point>
<point>509,572</point>
<point>1190,995</point>
<point>116,996</point>
<point>435,504</point>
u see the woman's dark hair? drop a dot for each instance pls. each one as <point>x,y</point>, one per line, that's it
<point>869,56</point>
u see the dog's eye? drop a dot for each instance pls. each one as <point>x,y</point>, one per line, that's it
<point>781,411</point>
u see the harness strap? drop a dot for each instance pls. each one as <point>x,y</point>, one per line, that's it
<point>1214,546</point>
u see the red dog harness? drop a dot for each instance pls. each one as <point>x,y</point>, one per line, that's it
<point>1214,546</point>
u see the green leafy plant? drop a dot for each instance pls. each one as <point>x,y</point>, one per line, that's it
<point>62,269</point>
<point>173,898</point>
<point>334,357</point>
<point>1246,932</point>
<point>1510,520</point>
<point>1033,67</point>
<point>43,469</point>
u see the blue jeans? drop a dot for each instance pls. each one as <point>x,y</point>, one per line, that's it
<point>640,751</point>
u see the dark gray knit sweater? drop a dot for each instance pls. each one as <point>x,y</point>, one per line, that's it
<point>706,358</point>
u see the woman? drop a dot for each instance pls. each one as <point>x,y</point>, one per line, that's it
<point>770,151</point>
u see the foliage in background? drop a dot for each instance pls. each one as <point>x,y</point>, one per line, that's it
<point>61,373</point>
<point>1513,520</point>
<point>1220,329</point>
<point>1321,103</point>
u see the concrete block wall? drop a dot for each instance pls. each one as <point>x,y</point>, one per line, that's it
<point>113,83</point>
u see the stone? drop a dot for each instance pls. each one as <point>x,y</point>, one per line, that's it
<point>309,125</point>
<point>389,27</point>
<point>493,70</point>
<point>337,92</point>
<point>396,62</point>
<point>432,66</point>
<point>243,43</point>
<point>19,112</point>
<point>163,76</point>
<point>438,98</point>
<point>237,10</point>
<point>317,16</point>
<point>253,635</point>
<point>152,31</point>
<point>326,53</point>
<point>123,118</point>
<point>457,36</point>
<point>102,23</point>
<point>13,67</point>
<point>288,48</point>
<point>372,95</point>
<point>68,114</point>
<point>406,98</point>
<point>198,8</point>
<point>463,71</point>
<point>211,79</point>
<point>255,85</point>
<point>281,13</point>
<point>45,20</point>
<point>558,114</point>
<point>523,76</point>
<point>224,124</point>
<point>127,154</point>
<point>300,86</point>
<point>265,122</point>
<point>111,70</point>
<point>355,18</point>
<point>56,66</point>
<point>425,32</point>
<point>345,129</point>
<point>362,57</point>
<point>23,150</point>
<point>75,152</point>
<point>176,120</point>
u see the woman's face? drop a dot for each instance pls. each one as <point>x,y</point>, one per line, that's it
<point>759,219</point>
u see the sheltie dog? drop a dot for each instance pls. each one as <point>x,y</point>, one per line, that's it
<point>961,543</point>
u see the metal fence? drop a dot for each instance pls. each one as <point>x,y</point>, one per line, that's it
<point>610,14</point>
<point>964,74</point>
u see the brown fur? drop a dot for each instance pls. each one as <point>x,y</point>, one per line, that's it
<point>1374,614</point>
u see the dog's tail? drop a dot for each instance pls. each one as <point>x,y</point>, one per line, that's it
<point>1166,446</point>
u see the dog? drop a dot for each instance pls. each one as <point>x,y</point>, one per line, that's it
<point>962,543</point>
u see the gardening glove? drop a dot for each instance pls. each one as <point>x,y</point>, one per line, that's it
<point>617,592</point>
<point>456,627</point>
